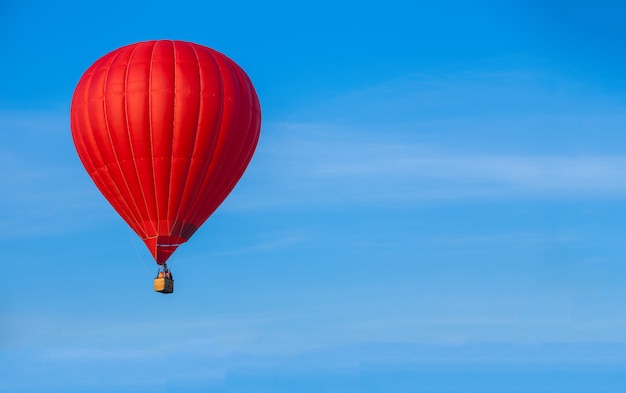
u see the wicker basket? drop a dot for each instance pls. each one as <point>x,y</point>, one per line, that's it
<point>163,285</point>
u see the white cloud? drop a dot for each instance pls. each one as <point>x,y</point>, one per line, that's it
<point>506,134</point>
<point>296,167</point>
<point>45,190</point>
<point>335,339</point>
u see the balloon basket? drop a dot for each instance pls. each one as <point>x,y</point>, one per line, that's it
<point>163,285</point>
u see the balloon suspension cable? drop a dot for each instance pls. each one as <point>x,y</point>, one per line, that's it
<point>139,258</point>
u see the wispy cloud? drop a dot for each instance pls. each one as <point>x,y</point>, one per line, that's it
<point>504,133</point>
<point>45,190</point>
<point>294,167</point>
<point>211,349</point>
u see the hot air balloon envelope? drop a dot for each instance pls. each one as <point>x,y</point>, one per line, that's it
<point>165,129</point>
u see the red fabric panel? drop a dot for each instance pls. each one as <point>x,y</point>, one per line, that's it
<point>138,127</point>
<point>165,129</point>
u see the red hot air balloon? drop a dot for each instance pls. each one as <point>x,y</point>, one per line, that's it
<point>165,129</point>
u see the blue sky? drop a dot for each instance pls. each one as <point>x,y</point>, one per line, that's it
<point>436,204</point>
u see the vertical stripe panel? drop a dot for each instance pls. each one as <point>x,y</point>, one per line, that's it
<point>102,144</point>
<point>117,124</point>
<point>161,122</point>
<point>206,135</point>
<point>186,115</point>
<point>138,125</point>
